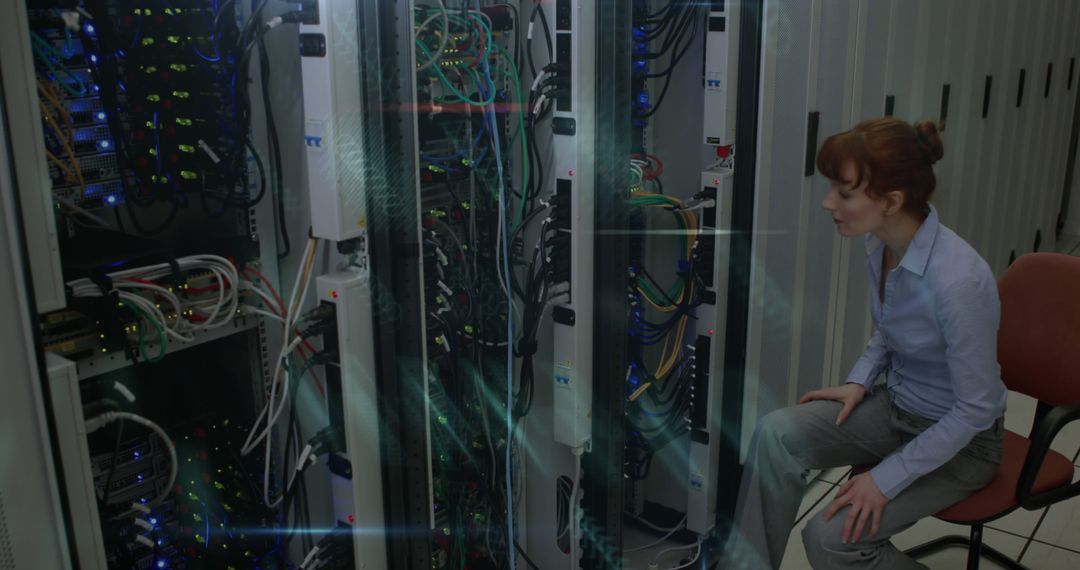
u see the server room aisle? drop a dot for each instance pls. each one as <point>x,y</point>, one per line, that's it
<point>1047,539</point>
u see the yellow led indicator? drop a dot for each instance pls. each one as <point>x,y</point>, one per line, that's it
<point>188,175</point>
<point>183,122</point>
<point>148,41</point>
<point>181,94</point>
<point>185,148</point>
<point>153,98</point>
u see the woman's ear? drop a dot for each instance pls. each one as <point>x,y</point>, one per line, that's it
<point>894,202</point>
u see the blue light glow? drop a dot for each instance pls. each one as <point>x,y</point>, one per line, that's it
<point>93,58</point>
<point>160,563</point>
<point>101,115</point>
<point>112,200</point>
<point>139,478</point>
<point>153,520</point>
<point>104,144</point>
<point>136,455</point>
<point>90,29</point>
<point>95,88</point>
<point>142,500</point>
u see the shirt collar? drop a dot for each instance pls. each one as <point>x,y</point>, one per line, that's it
<point>918,252</point>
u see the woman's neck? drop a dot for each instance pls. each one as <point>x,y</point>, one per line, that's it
<point>897,231</point>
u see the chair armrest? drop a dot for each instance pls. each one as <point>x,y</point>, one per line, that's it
<point>1041,438</point>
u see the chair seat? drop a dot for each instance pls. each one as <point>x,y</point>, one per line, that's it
<point>999,496</point>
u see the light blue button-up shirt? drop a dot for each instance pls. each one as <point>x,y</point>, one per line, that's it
<point>937,334</point>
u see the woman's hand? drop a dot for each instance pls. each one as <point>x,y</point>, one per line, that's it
<point>849,395</point>
<point>867,502</point>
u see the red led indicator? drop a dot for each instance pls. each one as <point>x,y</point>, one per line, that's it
<point>570,173</point>
<point>351,518</point>
<point>711,332</point>
<point>333,294</point>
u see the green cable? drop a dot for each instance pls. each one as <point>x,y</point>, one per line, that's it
<point>446,82</point>
<point>141,314</point>
<point>43,50</point>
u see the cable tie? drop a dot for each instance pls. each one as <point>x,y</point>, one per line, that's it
<point>140,507</point>
<point>445,289</point>
<point>144,541</point>
<point>528,36</point>
<point>303,458</point>
<point>209,151</point>
<point>309,557</point>
<point>143,523</point>
<point>128,395</point>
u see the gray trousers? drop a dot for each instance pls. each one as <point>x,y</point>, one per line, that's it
<point>790,442</point>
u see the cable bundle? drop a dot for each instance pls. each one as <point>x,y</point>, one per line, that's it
<point>141,291</point>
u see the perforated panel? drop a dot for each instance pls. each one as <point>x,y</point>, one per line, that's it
<point>7,554</point>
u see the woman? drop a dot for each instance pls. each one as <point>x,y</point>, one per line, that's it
<point>935,432</point>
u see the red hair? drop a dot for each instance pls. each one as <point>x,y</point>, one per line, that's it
<point>893,153</point>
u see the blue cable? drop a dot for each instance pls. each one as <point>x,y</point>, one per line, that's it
<point>489,114</point>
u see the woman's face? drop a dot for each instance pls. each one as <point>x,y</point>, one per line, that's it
<point>853,211</point>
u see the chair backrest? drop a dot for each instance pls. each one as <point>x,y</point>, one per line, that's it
<point>1039,336</point>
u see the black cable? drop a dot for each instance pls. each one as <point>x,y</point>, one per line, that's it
<point>538,10</point>
<point>274,142</point>
<point>528,560</point>
<point>113,464</point>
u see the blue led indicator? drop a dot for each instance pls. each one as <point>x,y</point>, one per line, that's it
<point>104,144</point>
<point>160,563</point>
<point>142,500</point>
<point>95,88</point>
<point>136,454</point>
<point>101,115</point>
<point>112,200</point>
<point>90,29</point>
<point>139,478</point>
<point>93,58</point>
<point>153,520</point>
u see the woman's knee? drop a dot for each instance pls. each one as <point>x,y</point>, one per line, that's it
<point>821,537</point>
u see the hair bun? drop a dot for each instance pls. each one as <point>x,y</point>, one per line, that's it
<point>930,139</point>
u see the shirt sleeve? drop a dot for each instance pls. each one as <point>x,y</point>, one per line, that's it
<point>872,362</point>
<point>969,313</point>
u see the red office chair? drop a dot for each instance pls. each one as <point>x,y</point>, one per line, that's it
<point>1039,353</point>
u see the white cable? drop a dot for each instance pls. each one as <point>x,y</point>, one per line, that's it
<point>249,310</point>
<point>697,553</point>
<point>307,559</point>
<point>539,77</point>
<point>652,526</point>
<point>442,41</point>
<point>573,525</point>
<point>97,422</point>
<point>677,528</point>
<point>127,394</point>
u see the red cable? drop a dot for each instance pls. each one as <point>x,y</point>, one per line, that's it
<point>281,309</point>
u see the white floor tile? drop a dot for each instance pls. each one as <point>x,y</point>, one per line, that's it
<point>834,475</point>
<point>1062,524</point>
<point>1043,557</point>
<point>1020,522</point>
<point>931,528</point>
<point>1021,412</point>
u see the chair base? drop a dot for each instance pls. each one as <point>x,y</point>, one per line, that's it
<point>976,549</point>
